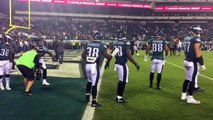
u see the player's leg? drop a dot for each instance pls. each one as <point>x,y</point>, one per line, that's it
<point>188,71</point>
<point>44,69</point>
<point>89,83</point>
<point>190,98</point>
<point>123,73</point>
<point>1,75</point>
<point>159,66</point>
<point>28,78</point>
<point>7,68</point>
<point>95,75</point>
<point>197,88</point>
<point>151,75</point>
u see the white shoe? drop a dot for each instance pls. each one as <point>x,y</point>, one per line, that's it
<point>192,100</point>
<point>1,87</point>
<point>183,96</point>
<point>44,82</point>
<point>8,88</point>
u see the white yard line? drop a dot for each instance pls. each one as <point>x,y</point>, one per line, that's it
<point>89,111</point>
<point>183,69</point>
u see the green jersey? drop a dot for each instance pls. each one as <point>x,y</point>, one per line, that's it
<point>157,46</point>
<point>189,47</point>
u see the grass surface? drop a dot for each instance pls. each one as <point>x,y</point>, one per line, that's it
<point>63,100</point>
<point>150,104</point>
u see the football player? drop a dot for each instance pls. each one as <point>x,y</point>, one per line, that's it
<point>186,40</point>
<point>122,56</point>
<point>93,52</point>
<point>158,46</point>
<point>42,50</point>
<point>5,65</point>
<point>193,57</point>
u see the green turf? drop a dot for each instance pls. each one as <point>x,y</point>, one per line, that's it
<point>150,104</point>
<point>63,100</point>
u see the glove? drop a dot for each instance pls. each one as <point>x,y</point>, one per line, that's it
<point>203,67</point>
<point>164,61</point>
<point>107,65</point>
<point>137,66</point>
<point>145,58</point>
<point>115,51</point>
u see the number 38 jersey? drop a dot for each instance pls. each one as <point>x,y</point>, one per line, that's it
<point>189,43</point>
<point>157,48</point>
<point>94,51</point>
<point>121,56</point>
<point>5,52</point>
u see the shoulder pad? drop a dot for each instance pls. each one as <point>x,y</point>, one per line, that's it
<point>197,39</point>
<point>127,43</point>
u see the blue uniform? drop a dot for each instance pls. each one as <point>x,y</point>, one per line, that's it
<point>121,56</point>
<point>157,48</point>
<point>189,47</point>
<point>95,51</point>
<point>5,52</point>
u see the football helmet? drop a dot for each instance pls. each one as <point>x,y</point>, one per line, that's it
<point>97,35</point>
<point>195,30</point>
<point>158,34</point>
<point>121,34</point>
<point>40,47</point>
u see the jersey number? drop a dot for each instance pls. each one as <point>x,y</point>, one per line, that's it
<point>4,52</point>
<point>187,47</point>
<point>92,52</point>
<point>120,53</point>
<point>157,47</point>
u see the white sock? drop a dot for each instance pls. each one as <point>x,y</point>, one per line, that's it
<point>7,81</point>
<point>119,97</point>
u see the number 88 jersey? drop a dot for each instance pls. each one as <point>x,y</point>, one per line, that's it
<point>157,48</point>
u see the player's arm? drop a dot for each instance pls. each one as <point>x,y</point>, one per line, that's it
<point>130,58</point>
<point>148,49</point>
<point>83,55</point>
<point>51,55</point>
<point>199,56</point>
<point>106,55</point>
<point>166,50</point>
<point>198,53</point>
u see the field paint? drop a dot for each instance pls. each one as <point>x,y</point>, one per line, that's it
<point>184,69</point>
<point>89,111</point>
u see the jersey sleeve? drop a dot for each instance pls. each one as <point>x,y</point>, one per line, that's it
<point>197,40</point>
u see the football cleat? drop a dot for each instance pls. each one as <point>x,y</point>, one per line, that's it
<point>44,82</point>
<point>95,104</point>
<point>1,87</point>
<point>151,86</point>
<point>87,98</point>
<point>198,89</point>
<point>159,88</point>
<point>192,100</point>
<point>183,97</point>
<point>121,100</point>
<point>8,88</point>
<point>28,93</point>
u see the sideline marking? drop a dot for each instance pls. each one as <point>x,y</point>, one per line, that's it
<point>11,20</point>
<point>184,69</point>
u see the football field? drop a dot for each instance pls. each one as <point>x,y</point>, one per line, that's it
<point>146,103</point>
<point>64,99</point>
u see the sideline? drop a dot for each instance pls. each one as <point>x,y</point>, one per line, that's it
<point>184,69</point>
<point>89,111</point>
